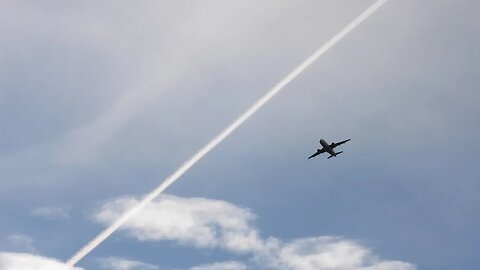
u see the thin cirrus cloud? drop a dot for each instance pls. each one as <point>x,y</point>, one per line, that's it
<point>206,223</point>
<point>52,213</point>
<point>115,263</point>
<point>230,265</point>
<point>20,242</point>
<point>168,59</point>
<point>24,261</point>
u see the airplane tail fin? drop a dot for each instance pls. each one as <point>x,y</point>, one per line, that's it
<point>338,153</point>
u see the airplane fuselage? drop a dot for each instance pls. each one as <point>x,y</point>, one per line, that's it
<point>327,147</point>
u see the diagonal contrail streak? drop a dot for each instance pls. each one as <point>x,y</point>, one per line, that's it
<point>224,134</point>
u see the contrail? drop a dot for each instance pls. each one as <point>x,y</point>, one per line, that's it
<point>224,134</point>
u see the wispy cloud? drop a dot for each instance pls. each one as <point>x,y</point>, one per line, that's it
<point>221,266</point>
<point>21,243</point>
<point>206,223</point>
<point>24,261</point>
<point>115,263</point>
<point>51,212</point>
<point>160,67</point>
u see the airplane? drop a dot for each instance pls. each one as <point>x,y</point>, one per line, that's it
<point>328,148</point>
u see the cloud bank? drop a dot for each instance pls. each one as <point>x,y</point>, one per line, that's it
<point>206,223</point>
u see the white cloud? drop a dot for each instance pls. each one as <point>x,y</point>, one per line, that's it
<point>21,242</point>
<point>195,221</point>
<point>51,212</point>
<point>115,263</point>
<point>331,253</point>
<point>206,223</point>
<point>24,261</point>
<point>221,266</point>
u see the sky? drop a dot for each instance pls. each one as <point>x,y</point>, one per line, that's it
<point>100,101</point>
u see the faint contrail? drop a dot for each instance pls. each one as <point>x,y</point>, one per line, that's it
<point>224,134</point>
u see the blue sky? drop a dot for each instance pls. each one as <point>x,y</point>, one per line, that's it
<point>101,101</point>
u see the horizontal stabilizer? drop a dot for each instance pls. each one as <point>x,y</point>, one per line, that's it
<point>338,153</point>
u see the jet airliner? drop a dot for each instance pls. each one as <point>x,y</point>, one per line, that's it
<point>328,148</point>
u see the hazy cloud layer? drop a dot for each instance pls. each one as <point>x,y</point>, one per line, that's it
<point>159,70</point>
<point>206,223</point>
<point>24,261</point>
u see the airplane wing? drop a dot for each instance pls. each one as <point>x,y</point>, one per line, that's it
<point>319,151</point>
<point>339,143</point>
